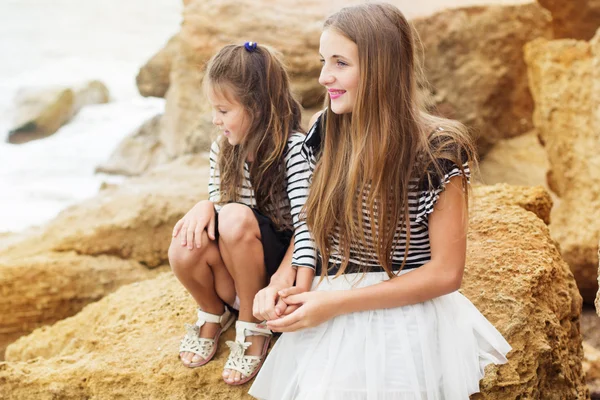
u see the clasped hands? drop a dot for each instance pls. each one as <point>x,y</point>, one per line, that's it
<point>293,308</point>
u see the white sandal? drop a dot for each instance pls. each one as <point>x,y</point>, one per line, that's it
<point>205,348</point>
<point>248,366</point>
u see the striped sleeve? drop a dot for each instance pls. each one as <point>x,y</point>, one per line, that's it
<point>298,176</point>
<point>214,180</point>
<point>428,198</point>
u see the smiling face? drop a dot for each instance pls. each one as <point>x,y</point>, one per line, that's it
<point>229,115</point>
<point>340,73</point>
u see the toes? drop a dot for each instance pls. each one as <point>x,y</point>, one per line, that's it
<point>237,376</point>
<point>184,357</point>
<point>196,358</point>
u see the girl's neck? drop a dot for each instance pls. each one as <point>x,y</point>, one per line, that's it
<point>250,158</point>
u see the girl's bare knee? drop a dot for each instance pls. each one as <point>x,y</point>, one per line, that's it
<point>181,258</point>
<point>237,223</point>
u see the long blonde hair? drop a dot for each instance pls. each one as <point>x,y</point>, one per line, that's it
<point>381,146</point>
<point>260,83</point>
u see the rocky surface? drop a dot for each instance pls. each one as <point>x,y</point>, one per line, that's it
<point>565,80</point>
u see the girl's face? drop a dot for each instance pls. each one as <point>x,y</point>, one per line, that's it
<point>229,115</point>
<point>340,73</point>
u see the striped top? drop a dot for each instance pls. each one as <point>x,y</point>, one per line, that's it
<point>246,192</point>
<point>301,163</point>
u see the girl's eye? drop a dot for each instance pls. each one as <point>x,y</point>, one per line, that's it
<point>322,61</point>
<point>223,112</point>
<point>341,63</point>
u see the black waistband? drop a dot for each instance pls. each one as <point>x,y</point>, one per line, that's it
<point>353,268</point>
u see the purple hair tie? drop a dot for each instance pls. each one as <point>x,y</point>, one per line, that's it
<point>250,46</point>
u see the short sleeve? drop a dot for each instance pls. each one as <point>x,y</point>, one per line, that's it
<point>298,176</point>
<point>214,180</point>
<point>430,193</point>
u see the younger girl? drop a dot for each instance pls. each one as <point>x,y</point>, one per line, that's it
<point>387,208</point>
<point>223,262</point>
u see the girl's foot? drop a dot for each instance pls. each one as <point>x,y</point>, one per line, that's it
<point>200,342</point>
<point>247,352</point>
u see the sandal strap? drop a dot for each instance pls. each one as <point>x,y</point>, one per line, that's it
<point>204,317</point>
<point>246,365</point>
<point>259,329</point>
<point>193,343</point>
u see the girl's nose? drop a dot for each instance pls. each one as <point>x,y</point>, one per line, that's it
<point>325,78</point>
<point>216,120</point>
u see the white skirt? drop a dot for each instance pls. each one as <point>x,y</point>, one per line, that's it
<point>436,350</point>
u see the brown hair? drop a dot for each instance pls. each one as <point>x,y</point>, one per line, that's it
<point>260,83</point>
<point>380,148</point>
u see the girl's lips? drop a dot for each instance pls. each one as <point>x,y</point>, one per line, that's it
<point>334,94</point>
<point>226,133</point>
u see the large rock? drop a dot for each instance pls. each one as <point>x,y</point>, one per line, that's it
<point>126,344</point>
<point>473,60</point>
<point>153,78</point>
<point>138,152</point>
<point>475,65</point>
<point>575,19</point>
<point>41,112</point>
<point>94,247</point>
<point>565,82</point>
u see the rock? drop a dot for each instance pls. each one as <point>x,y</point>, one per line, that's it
<point>565,80</point>
<point>575,19</point>
<point>480,78</point>
<point>138,152</point>
<point>41,112</point>
<point>46,288</point>
<point>126,344</point>
<point>535,199</point>
<point>153,78</point>
<point>517,161</point>
<point>93,92</point>
<point>526,290</point>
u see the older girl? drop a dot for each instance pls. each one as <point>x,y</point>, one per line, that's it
<point>387,209</point>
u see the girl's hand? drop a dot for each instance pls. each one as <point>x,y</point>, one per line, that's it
<point>267,304</point>
<point>314,309</point>
<point>190,227</point>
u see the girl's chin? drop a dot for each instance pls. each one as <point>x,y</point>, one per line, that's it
<point>340,109</point>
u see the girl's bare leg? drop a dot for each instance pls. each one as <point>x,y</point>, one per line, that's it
<point>242,252</point>
<point>203,273</point>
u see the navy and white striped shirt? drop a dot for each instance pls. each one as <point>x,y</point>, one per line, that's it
<point>246,192</point>
<point>300,165</point>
